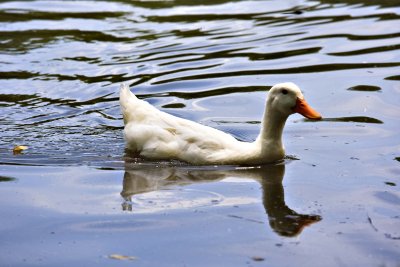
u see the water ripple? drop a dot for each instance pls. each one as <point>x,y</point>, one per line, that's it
<point>62,63</point>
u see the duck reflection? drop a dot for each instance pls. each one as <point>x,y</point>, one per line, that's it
<point>283,220</point>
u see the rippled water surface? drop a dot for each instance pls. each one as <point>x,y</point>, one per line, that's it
<point>75,198</point>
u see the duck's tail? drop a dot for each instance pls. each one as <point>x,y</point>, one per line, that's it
<point>126,99</point>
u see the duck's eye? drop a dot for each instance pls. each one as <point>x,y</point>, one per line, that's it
<point>284,91</point>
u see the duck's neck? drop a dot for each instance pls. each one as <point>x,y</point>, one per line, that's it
<point>272,129</point>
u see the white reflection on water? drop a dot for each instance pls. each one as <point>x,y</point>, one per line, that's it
<point>154,190</point>
<point>148,190</point>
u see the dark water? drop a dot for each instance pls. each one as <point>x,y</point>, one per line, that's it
<point>75,198</point>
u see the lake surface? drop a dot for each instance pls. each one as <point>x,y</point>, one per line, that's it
<point>75,198</point>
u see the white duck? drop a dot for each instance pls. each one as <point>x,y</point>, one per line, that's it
<point>157,135</point>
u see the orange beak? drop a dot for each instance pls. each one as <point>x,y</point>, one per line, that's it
<point>306,110</point>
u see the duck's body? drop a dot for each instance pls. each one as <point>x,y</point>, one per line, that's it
<point>157,135</point>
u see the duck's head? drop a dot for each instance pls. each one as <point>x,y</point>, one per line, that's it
<point>287,99</point>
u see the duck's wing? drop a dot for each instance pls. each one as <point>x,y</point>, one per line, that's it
<point>141,113</point>
<point>157,134</point>
<point>180,139</point>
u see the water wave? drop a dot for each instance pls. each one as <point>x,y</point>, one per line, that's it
<point>62,63</point>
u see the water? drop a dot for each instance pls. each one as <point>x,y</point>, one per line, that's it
<point>75,196</point>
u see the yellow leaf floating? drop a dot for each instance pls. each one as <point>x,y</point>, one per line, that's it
<point>19,149</point>
<point>121,257</point>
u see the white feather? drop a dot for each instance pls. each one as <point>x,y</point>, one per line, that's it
<point>158,135</point>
